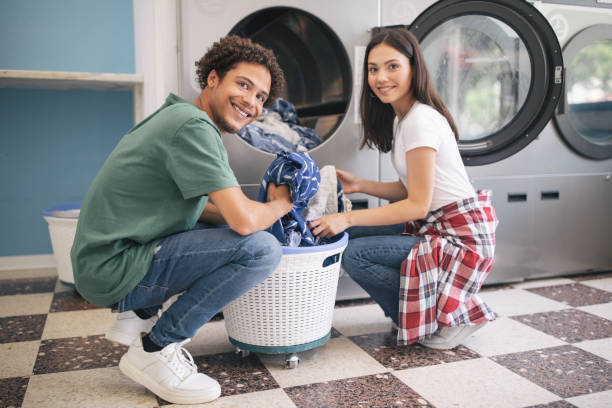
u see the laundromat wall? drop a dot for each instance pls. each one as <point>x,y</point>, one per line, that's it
<point>53,142</point>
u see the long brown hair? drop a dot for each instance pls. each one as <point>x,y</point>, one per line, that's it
<point>376,116</point>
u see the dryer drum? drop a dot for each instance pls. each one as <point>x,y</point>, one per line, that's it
<point>316,65</point>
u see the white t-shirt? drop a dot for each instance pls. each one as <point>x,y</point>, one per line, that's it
<point>423,126</point>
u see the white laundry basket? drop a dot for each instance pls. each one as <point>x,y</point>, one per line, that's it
<point>292,310</point>
<point>62,220</point>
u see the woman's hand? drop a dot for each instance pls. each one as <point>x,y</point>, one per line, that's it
<point>330,225</point>
<point>349,181</point>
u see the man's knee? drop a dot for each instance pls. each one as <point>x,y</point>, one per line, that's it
<point>263,250</point>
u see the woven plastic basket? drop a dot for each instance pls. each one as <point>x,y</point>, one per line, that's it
<point>62,220</point>
<point>292,309</point>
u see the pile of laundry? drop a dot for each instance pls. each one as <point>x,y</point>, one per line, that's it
<point>278,130</point>
<point>313,193</point>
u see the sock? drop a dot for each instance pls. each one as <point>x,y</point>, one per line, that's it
<point>149,346</point>
<point>142,314</point>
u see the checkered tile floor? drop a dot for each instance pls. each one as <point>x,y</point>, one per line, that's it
<point>550,347</point>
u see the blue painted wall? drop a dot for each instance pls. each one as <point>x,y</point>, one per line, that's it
<point>53,142</point>
<point>67,35</point>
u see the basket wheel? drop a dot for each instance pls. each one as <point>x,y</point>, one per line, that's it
<point>243,353</point>
<point>292,360</point>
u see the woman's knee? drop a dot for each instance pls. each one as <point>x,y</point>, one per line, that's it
<point>364,261</point>
<point>352,262</point>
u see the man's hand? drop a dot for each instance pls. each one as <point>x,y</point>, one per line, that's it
<point>280,193</point>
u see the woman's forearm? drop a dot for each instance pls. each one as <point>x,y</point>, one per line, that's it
<point>394,213</point>
<point>391,191</point>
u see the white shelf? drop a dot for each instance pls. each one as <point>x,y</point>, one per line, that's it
<point>75,80</point>
<point>67,80</point>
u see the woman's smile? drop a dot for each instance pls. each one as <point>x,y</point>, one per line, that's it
<point>390,76</point>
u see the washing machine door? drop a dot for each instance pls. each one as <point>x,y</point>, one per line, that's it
<point>316,66</point>
<point>584,114</point>
<point>498,67</point>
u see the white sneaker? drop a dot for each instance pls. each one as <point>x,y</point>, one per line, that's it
<point>169,373</point>
<point>128,327</point>
<point>450,337</point>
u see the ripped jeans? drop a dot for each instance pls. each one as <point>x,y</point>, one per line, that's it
<point>210,267</point>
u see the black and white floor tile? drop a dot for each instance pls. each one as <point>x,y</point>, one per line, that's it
<point>551,346</point>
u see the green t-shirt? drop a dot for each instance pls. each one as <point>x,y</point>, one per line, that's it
<point>153,184</point>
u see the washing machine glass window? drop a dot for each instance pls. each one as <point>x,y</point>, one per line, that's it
<point>498,67</point>
<point>481,69</point>
<point>318,79</point>
<point>584,116</point>
<point>589,92</point>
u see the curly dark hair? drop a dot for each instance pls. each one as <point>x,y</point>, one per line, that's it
<point>230,50</point>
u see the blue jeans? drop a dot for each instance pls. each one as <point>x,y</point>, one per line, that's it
<point>373,259</point>
<point>210,266</point>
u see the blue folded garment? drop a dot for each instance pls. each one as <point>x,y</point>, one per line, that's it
<point>268,142</point>
<point>276,143</point>
<point>286,110</point>
<point>301,174</point>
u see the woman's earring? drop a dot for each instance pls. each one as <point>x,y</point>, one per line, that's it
<point>372,94</point>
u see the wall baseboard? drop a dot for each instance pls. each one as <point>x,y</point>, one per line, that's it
<point>12,263</point>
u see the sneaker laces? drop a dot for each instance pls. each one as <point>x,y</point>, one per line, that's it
<point>179,359</point>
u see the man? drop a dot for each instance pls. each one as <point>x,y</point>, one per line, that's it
<point>137,242</point>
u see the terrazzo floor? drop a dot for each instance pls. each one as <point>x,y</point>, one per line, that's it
<point>551,346</point>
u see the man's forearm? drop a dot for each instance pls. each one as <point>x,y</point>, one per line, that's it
<point>263,215</point>
<point>212,215</point>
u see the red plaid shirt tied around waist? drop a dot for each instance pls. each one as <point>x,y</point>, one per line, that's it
<point>442,274</point>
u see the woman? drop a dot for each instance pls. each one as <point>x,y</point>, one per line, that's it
<point>426,279</point>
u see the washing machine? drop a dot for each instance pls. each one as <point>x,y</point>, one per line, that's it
<point>580,134</point>
<point>499,67</point>
<point>316,42</point>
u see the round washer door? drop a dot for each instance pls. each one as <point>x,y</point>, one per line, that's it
<point>316,66</point>
<point>498,67</point>
<point>584,115</point>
